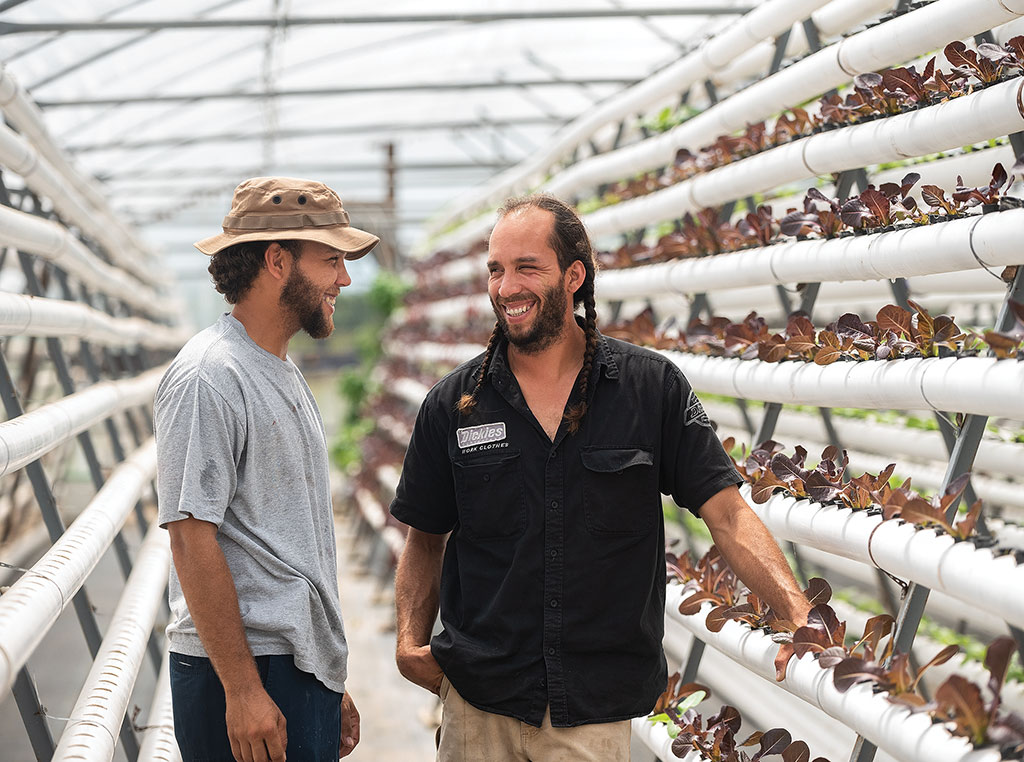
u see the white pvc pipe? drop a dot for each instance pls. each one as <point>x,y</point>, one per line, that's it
<point>430,352</point>
<point>96,718</point>
<point>907,736</point>
<point>33,434</point>
<point>988,113</point>
<point>158,743</point>
<point>33,603</point>
<point>767,20</point>
<point>56,244</point>
<point>1005,458</point>
<point>34,316</point>
<point>969,243</point>
<point>655,737</point>
<point>409,389</point>
<point>979,385</point>
<point>958,569</point>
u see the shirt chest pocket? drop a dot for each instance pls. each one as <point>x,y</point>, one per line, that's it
<point>620,490</point>
<point>490,496</point>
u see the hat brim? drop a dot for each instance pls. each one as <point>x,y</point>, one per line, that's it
<point>353,242</point>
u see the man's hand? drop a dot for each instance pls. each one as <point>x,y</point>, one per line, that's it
<point>418,665</point>
<point>256,727</point>
<point>349,725</point>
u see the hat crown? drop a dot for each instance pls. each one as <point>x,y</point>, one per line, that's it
<point>283,203</point>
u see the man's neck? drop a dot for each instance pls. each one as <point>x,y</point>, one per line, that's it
<point>267,327</point>
<point>563,357</point>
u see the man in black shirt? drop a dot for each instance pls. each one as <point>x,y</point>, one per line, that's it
<point>532,487</point>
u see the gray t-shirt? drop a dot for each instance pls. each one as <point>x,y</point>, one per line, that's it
<point>240,443</point>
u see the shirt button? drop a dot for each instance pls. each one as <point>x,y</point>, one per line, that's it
<point>554,603</point>
<point>487,477</point>
<point>553,453</point>
<point>554,553</point>
<point>551,652</point>
<point>554,504</point>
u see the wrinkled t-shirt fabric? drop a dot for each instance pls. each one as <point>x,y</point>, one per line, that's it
<point>240,443</point>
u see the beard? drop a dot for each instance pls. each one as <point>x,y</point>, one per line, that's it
<point>304,300</point>
<point>547,326</point>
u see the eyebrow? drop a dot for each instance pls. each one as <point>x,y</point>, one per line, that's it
<point>516,261</point>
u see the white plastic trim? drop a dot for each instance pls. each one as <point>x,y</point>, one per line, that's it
<point>96,718</point>
<point>33,603</point>
<point>29,436</point>
<point>34,316</point>
<point>964,244</point>
<point>980,385</point>
<point>56,244</point>
<point>769,19</point>
<point>988,113</point>
<point>904,37</point>
<point>908,737</point>
<point>958,569</point>
<point>158,743</point>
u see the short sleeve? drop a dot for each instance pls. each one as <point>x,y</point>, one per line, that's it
<point>199,443</point>
<point>425,498</point>
<point>694,466</point>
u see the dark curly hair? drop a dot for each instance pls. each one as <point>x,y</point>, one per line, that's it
<point>570,242</point>
<point>235,268</point>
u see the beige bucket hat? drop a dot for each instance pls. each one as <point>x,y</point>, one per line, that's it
<point>285,208</point>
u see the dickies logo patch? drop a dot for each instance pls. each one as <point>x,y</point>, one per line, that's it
<point>478,435</point>
<point>695,412</point>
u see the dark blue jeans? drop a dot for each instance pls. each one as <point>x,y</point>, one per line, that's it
<point>312,711</point>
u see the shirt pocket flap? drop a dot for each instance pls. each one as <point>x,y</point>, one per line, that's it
<point>610,460</point>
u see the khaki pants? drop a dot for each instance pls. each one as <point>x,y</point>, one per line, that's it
<point>468,734</point>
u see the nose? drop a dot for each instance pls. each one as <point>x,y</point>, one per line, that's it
<point>508,285</point>
<point>342,277</point>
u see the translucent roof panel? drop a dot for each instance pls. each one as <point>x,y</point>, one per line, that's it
<point>170,105</point>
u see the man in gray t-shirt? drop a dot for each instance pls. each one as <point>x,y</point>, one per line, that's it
<point>258,652</point>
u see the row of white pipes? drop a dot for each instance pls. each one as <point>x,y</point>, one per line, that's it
<point>993,112</point>
<point>924,29</point>
<point>33,603</point>
<point>56,244</point>
<point>34,156</point>
<point>972,385</point>
<point>733,54</point>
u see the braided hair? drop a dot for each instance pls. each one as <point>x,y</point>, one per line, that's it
<point>570,242</point>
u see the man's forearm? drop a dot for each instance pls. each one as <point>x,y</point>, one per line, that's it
<point>212,602</point>
<point>417,588</point>
<point>752,552</point>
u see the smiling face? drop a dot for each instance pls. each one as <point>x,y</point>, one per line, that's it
<point>530,294</point>
<point>315,280</point>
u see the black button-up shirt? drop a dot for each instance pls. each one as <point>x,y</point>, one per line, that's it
<point>553,581</point>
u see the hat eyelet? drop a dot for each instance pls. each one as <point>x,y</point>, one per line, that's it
<point>276,199</point>
<point>302,199</point>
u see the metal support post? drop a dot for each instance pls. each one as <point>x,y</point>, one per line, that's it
<point>780,51</point>
<point>33,715</point>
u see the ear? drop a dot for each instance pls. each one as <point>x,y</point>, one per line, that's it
<point>576,273</point>
<point>277,261</point>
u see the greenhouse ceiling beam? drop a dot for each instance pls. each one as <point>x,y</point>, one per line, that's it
<point>169,173</point>
<point>177,141</point>
<point>319,92</point>
<point>119,25</point>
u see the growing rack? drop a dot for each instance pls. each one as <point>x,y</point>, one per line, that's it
<point>938,264</point>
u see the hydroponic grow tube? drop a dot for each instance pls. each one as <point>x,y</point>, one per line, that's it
<point>34,316</point>
<point>982,240</point>
<point>907,736</point>
<point>92,733</point>
<point>973,575</point>
<point>31,435</point>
